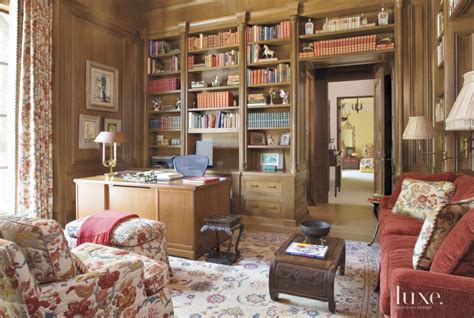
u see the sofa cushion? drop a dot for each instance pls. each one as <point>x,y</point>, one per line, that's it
<point>396,224</point>
<point>456,253</point>
<point>396,254</point>
<point>445,176</point>
<point>43,243</point>
<point>435,228</point>
<point>464,188</point>
<point>94,256</point>
<point>132,232</point>
<point>421,197</point>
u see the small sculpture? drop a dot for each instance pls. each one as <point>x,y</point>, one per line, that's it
<point>284,96</point>
<point>383,17</point>
<point>309,27</point>
<point>309,47</point>
<point>156,103</point>
<point>270,140</point>
<point>216,82</point>
<point>267,52</point>
<point>272,93</point>
<point>231,57</point>
<point>178,103</point>
<point>363,20</point>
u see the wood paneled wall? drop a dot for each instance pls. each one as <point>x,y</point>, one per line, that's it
<point>106,32</point>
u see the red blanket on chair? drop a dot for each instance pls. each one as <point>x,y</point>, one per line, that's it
<point>98,227</point>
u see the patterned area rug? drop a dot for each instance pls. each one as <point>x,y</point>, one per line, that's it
<point>201,289</point>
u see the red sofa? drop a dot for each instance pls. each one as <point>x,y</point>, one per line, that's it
<point>447,290</point>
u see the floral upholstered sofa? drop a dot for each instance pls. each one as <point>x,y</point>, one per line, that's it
<point>41,277</point>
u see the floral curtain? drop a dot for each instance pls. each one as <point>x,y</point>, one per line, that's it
<point>34,163</point>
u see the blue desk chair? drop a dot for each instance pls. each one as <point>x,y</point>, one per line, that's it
<point>191,165</point>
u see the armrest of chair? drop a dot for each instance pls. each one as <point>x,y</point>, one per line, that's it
<point>115,289</point>
<point>417,293</point>
<point>384,202</point>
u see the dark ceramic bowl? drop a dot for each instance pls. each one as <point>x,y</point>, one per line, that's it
<point>315,228</point>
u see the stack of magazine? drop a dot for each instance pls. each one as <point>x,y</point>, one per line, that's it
<point>307,250</point>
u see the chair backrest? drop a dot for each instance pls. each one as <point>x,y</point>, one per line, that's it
<point>191,165</point>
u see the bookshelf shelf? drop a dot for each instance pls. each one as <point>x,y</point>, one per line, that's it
<point>269,128</point>
<point>164,130</point>
<point>164,56</point>
<point>165,74</point>
<point>165,146</point>
<point>366,57</point>
<point>164,111</point>
<point>216,48</point>
<point>268,147</point>
<point>268,106</point>
<point>212,130</point>
<point>269,84</point>
<point>270,63</point>
<point>233,108</point>
<point>166,93</point>
<point>206,69</point>
<point>214,89</point>
<point>352,32</point>
<point>280,41</point>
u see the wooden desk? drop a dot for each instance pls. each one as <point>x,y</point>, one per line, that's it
<point>182,207</point>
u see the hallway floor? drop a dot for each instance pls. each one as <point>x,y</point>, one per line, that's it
<point>355,189</point>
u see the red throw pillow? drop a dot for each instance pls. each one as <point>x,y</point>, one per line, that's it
<point>456,253</point>
<point>445,176</point>
<point>464,187</point>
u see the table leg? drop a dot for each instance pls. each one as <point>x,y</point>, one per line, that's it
<point>342,262</point>
<point>331,301</point>
<point>272,278</point>
<point>374,236</point>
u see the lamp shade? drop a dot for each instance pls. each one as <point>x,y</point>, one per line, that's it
<point>419,127</point>
<point>109,137</point>
<point>461,116</point>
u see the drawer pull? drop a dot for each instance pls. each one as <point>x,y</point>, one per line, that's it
<point>272,187</point>
<point>273,208</point>
<point>254,185</point>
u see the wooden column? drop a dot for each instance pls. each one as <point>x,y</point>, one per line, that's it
<point>242,28</point>
<point>398,92</point>
<point>183,31</point>
<point>293,9</point>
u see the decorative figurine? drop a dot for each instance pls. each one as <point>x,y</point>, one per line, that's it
<point>284,96</point>
<point>326,25</point>
<point>235,102</point>
<point>363,20</point>
<point>272,93</point>
<point>270,140</point>
<point>194,104</point>
<point>156,103</point>
<point>383,17</point>
<point>216,82</point>
<point>308,47</point>
<point>309,27</point>
<point>267,52</point>
<point>178,103</point>
<point>231,57</point>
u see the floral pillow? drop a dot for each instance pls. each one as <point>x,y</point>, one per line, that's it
<point>420,198</point>
<point>435,228</point>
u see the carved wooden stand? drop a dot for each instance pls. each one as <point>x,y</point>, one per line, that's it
<point>307,277</point>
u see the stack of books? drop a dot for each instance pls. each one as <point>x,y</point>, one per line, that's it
<point>201,180</point>
<point>214,120</point>
<point>159,47</point>
<point>169,65</point>
<point>202,41</point>
<point>163,85</point>
<point>263,33</point>
<point>278,74</point>
<point>307,250</point>
<point>166,122</point>
<point>215,60</point>
<point>271,119</point>
<point>215,99</point>
<point>345,45</point>
<point>258,99</point>
<point>340,24</point>
<point>253,53</point>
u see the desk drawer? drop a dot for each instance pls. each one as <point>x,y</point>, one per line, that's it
<point>262,186</point>
<point>263,206</point>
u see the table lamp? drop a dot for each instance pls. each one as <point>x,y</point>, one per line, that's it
<point>109,137</point>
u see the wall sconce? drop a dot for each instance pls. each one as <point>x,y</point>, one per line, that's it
<point>111,138</point>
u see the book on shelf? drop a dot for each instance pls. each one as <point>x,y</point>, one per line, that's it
<point>202,41</point>
<point>280,73</point>
<point>347,23</point>
<point>270,119</point>
<point>200,180</point>
<point>307,250</point>
<point>155,66</point>
<point>257,99</point>
<point>214,60</point>
<point>440,52</point>
<point>215,99</point>
<point>216,119</point>
<point>165,122</point>
<point>268,32</point>
<point>349,45</point>
<point>306,54</point>
<point>163,85</point>
<point>159,47</point>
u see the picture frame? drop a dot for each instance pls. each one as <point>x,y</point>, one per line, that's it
<point>89,128</point>
<point>102,86</point>
<point>273,159</point>
<point>113,125</point>
<point>258,138</point>
<point>285,139</point>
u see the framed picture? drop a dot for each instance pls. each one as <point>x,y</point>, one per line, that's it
<point>89,128</point>
<point>102,85</point>
<point>285,139</point>
<point>258,138</point>
<point>272,159</point>
<point>113,125</point>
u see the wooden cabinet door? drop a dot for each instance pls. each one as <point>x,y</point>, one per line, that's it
<point>90,198</point>
<point>140,200</point>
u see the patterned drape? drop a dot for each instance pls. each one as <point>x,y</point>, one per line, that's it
<point>34,165</point>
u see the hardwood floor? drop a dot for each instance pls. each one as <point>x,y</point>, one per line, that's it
<point>350,222</point>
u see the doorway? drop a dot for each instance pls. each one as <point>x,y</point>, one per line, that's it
<point>350,140</point>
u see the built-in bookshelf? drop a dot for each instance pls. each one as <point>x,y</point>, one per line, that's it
<point>164,135</point>
<point>268,90</point>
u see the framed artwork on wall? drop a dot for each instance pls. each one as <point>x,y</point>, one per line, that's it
<point>102,85</point>
<point>89,128</point>
<point>258,138</point>
<point>113,125</point>
<point>271,159</point>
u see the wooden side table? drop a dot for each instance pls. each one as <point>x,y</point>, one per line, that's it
<point>375,200</point>
<point>307,277</point>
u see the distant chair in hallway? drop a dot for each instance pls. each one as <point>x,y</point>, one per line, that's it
<point>191,165</point>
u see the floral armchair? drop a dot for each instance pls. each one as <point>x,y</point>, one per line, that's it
<point>41,277</point>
